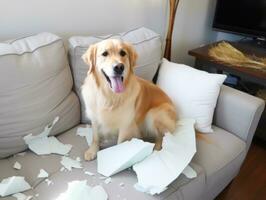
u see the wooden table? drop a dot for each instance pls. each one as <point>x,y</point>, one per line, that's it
<point>204,61</point>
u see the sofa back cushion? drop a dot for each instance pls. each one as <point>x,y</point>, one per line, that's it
<point>35,87</point>
<point>146,42</point>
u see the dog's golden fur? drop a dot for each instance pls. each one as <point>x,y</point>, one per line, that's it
<point>142,110</point>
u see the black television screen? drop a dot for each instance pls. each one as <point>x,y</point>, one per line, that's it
<point>246,17</point>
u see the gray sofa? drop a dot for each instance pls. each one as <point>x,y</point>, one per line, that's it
<point>36,86</point>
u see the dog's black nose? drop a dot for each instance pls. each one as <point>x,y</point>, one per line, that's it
<point>119,68</point>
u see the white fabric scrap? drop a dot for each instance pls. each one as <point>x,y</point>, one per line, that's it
<point>89,173</point>
<point>21,154</point>
<point>189,172</point>
<point>68,163</point>
<point>43,145</point>
<point>49,182</point>
<point>12,185</point>
<point>17,165</point>
<point>43,174</point>
<point>177,151</point>
<point>86,132</point>
<point>21,196</point>
<point>108,180</point>
<point>119,157</point>
<point>81,191</point>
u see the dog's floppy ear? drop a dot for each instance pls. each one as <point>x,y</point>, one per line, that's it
<point>89,57</point>
<point>132,54</point>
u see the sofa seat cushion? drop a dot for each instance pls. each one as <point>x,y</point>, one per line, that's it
<point>217,149</point>
<point>31,165</point>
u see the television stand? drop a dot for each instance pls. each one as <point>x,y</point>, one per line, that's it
<point>207,63</point>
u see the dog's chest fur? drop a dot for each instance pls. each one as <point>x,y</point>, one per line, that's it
<point>111,119</point>
<point>110,113</point>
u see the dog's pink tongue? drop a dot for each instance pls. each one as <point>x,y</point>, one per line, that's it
<point>117,84</point>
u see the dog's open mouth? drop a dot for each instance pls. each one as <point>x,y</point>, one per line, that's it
<point>115,82</point>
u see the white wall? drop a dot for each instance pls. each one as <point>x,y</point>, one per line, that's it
<point>79,17</point>
<point>192,28</point>
<point>96,17</point>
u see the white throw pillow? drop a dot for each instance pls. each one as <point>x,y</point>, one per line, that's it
<point>193,92</point>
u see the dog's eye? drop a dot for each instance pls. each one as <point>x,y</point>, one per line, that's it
<point>105,54</point>
<point>122,53</point>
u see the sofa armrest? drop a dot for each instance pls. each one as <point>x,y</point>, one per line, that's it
<point>238,113</point>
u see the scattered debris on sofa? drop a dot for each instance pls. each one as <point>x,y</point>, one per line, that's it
<point>43,174</point>
<point>108,180</point>
<point>80,190</point>
<point>49,182</point>
<point>89,173</point>
<point>177,151</point>
<point>20,154</point>
<point>85,132</point>
<point>70,163</point>
<point>21,196</point>
<point>119,157</point>
<point>17,165</point>
<point>122,184</point>
<point>44,145</point>
<point>189,172</point>
<point>13,185</point>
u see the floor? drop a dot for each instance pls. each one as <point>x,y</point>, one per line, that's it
<point>250,184</point>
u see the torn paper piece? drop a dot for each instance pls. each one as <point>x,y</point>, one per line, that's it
<point>68,163</point>
<point>21,154</point>
<point>177,151</point>
<point>78,159</point>
<point>108,180</point>
<point>17,165</point>
<point>48,145</point>
<point>43,145</point>
<point>21,196</point>
<point>189,172</point>
<point>62,169</point>
<point>12,185</point>
<point>85,132</point>
<point>89,173</point>
<point>117,158</point>
<point>36,195</point>
<point>80,190</point>
<point>49,182</point>
<point>121,184</point>
<point>43,174</point>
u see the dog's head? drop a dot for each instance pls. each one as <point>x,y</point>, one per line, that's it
<point>112,61</point>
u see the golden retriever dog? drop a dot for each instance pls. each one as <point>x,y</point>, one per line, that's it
<point>118,102</point>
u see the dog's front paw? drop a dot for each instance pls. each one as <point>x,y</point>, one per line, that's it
<point>90,154</point>
<point>157,146</point>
